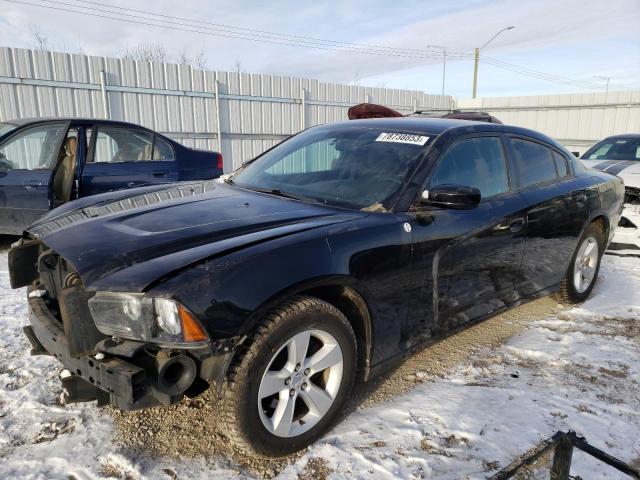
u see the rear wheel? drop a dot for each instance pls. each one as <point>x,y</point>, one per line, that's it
<point>290,382</point>
<point>584,267</point>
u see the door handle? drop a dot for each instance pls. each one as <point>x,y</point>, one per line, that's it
<point>31,184</point>
<point>516,225</point>
<point>160,173</point>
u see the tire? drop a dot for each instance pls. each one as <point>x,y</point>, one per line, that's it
<point>256,418</point>
<point>570,292</point>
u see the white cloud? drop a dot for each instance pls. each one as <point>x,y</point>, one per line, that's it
<point>571,38</point>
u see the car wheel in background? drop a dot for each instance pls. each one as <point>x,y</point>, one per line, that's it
<point>290,381</point>
<point>584,267</point>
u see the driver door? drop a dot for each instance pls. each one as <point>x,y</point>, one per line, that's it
<point>27,161</point>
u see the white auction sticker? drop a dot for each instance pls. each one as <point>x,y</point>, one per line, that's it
<point>402,138</point>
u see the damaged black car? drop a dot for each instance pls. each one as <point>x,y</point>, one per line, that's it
<point>323,262</point>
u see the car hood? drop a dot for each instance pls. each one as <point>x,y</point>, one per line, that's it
<point>127,242</point>
<point>628,170</point>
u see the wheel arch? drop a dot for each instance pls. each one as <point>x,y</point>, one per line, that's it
<point>341,292</point>
<point>602,221</point>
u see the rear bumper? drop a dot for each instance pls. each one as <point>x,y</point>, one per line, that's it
<point>108,380</point>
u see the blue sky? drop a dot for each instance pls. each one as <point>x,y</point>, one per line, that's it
<point>569,38</point>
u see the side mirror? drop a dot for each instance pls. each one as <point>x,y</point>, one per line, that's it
<point>451,196</point>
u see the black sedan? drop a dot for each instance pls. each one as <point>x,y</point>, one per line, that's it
<point>328,258</point>
<point>45,163</point>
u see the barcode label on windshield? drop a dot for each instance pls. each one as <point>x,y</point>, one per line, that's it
<point>402,138</point>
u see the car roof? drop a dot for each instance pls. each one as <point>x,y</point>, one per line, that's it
<point>436,126</point>
<point>21,122</point>
<point>624,135</point>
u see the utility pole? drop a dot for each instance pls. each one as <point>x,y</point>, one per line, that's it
<point>475,71</point>
<point>477,58</point>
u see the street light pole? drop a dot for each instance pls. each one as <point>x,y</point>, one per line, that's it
<point>477,58</point>
<point>604,78</point>
<point>444,62</point>
<point>444,67</point>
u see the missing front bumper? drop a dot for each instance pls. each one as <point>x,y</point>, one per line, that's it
<point>127,386</point>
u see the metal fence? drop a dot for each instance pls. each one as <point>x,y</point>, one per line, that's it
<point>243,114</point>
<point>239,114</point>
<point>576,120</point>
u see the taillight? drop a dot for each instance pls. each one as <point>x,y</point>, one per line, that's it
<point>220,161</point>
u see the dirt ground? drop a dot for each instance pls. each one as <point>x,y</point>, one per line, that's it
<point>191,428</point>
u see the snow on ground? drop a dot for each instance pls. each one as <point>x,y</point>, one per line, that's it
<point>579,370</point>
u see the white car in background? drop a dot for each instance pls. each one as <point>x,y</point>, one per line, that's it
<point>620,155</point>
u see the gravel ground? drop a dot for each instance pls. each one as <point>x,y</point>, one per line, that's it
<point>191,429</point>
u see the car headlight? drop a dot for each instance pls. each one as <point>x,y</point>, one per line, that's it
<point>135,316</point>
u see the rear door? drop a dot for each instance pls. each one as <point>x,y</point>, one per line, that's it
<point>124,157</point>
<point>557,211</point>
<point>27,160</point>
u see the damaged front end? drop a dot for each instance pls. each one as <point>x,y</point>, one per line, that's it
<point>626,240</point>
<point>128,350</point>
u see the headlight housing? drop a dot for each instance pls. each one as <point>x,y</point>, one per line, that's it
<point>135,316</point>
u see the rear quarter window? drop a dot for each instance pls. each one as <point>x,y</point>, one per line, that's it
<point>561,164</point>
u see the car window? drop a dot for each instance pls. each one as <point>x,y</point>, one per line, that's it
<point>316,157</point>
<point>533,163</point>
<point>474,162</point>
<point>561,164</point>
<point>615,149</point>
<point>32,149</point>
<point>162,150</point>
<point>361,166</point>
<point>114,144</point>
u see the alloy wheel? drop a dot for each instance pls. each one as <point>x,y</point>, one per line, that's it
<point>300,383</point>
<point>586,262</point>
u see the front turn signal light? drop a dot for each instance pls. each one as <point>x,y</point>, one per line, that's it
<point>191,329</point>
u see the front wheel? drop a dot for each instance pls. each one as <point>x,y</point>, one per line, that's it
<point>290,382</point>
<point>584,267</point>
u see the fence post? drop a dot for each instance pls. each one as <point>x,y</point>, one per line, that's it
<point>105,95</point>
<point>562,460</point>
<point>216,86</point>
<point>303,114</point>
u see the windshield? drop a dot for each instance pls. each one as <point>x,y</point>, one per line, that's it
<point>6,128</point>
<point>353,167</point>
<point>615,149</point>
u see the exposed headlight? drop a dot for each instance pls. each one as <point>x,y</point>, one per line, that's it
<point>135,316</point>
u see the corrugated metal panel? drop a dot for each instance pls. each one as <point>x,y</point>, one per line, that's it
<point>269,107</point>
<point>577,120</point>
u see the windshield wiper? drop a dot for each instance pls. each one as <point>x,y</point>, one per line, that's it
<point>280,193</point>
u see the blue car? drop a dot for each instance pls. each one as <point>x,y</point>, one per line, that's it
<point>45,163</point>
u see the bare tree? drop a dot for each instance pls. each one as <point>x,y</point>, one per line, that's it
<point>183,58</point>
<point>200,60</point>
<point>150,52</point>
<point>355,81</point>
<point>40,39</point>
